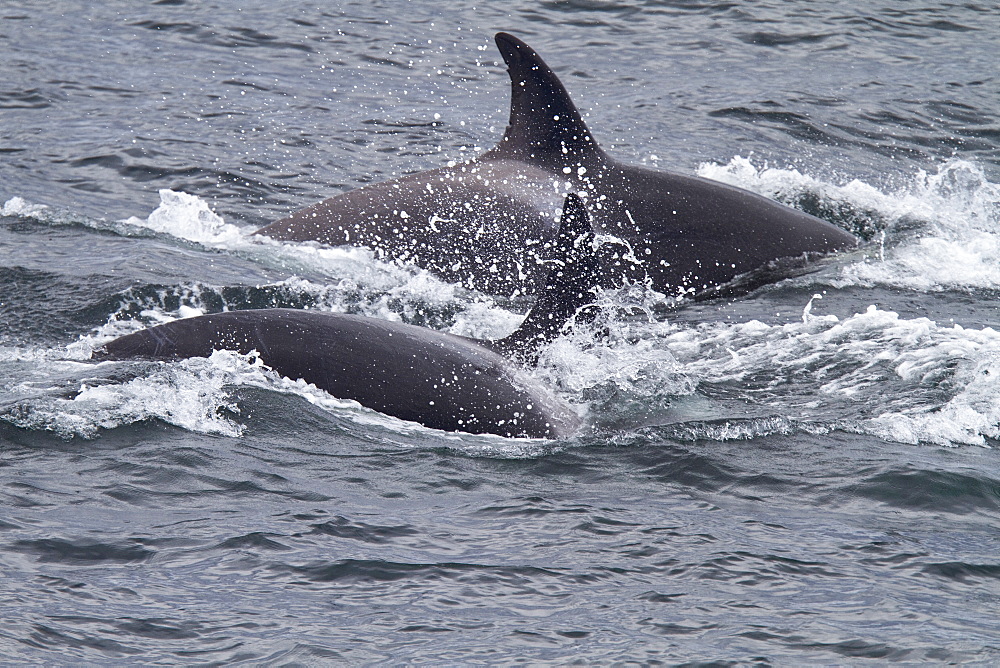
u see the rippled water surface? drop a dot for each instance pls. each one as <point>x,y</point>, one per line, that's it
<point>807,474</point>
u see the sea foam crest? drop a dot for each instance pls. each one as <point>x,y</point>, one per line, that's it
<point>192,394</point>
<point>905,380</point>
<point>954,211</point>
<point>189,217</point>
<point>195,394</point>
<point>21,208</point>
<point>341,279</point>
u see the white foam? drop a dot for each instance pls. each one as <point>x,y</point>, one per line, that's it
<point>189,217</point>
<point>906,380</point>
<point>787,184</point>
<point>967,362</point>
<point>898,379</point>
<point>190,394</point>
<point>342,279</point>
<point>19,207</point>
<point>194,394</point>
<point>956,210</point>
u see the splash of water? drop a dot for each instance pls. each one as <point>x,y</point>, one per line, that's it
<point>941,231</point>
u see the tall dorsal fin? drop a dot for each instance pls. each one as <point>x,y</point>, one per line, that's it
<point>569,286</point>
<point>543,119</point>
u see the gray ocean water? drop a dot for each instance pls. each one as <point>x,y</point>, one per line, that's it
<point>804,475</point>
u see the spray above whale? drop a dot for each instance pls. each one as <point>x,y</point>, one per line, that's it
<point>482,222</point>
<point>437,379</point>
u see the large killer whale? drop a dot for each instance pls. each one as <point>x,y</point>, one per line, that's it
<point>481,222</point>
<point>440,380</point>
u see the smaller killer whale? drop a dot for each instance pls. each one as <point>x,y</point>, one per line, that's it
<point>437,379</point>
<point>481,222</point>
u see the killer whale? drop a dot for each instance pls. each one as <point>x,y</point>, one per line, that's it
<point>440,380</point>
<point>481,222</point>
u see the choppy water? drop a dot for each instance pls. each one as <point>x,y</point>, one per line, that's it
<point>779,479</point>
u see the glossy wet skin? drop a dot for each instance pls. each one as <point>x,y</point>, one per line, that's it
<point>479,223</point>
<point>439,380</point>
<point>476,224</point>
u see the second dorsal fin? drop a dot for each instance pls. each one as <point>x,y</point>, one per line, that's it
<point>569,287</point>
<point>545,126</point>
